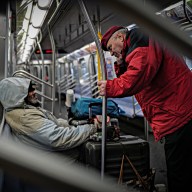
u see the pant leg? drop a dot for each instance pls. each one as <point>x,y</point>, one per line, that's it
<point>178,153</point>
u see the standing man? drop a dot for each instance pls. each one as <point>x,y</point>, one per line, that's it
<point>162,85</point>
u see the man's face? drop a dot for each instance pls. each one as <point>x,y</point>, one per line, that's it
<point>115,45</point>
<point>32,96</point>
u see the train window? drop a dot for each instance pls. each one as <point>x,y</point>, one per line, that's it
<point>92,64</point>
<point>71,68</point>
<point>62,71</point>
<point>67,69</point>
<point>46,73</point>
<point>75,69</point>
<point>109,68</point>
<point>110,65</point>
<point>83,66</point>
<point>40,72</point>
<point>36,71</point>
<point>95,62</point>
<point>58,73</point>
<point>83,71</point>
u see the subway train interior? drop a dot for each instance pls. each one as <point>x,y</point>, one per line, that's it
<point>56,44</point>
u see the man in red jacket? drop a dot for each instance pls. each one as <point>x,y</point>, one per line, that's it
<point>162,85</point>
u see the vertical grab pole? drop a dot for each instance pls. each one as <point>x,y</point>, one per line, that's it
<point>43,68</point>
<point>103,68</point>
<point>53,65</point>
<point>146,127</point>
<point>53,52</point>
<point>7,39</point>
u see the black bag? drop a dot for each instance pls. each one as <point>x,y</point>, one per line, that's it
<point>135,148</point>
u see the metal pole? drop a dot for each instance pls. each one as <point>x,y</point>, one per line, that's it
<point>43,68</point>
<point>7,39</point>
<point>103,68</point>
<point>53,65</point>
<point>133,101</point>
<point>53,53</point>
<point>146,127</point>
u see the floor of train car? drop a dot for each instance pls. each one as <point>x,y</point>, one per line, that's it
<point>134,127</point>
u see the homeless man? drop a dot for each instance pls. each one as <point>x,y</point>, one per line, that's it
<point>35,126</point>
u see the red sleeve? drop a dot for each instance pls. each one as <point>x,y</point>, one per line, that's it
<point>143,66</point>
<point>116,67</point>
<point>120,68</point>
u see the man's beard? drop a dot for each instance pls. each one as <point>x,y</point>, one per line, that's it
<point>33,101</point>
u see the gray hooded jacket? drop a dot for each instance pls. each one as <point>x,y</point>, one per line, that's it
<point>36,126</point>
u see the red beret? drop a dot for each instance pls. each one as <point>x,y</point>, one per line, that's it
<point>107,36</point>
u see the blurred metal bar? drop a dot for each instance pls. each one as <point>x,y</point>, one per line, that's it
<point>43,67</point>
<point>48,170</point>
<point>7,39</point>
<point>146,131</point>
<point>43,95</point>
<point>23,73</point>
<point>1,37</point>
<point>53,52</point>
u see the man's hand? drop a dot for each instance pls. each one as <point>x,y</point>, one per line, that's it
<point>119,61</point>
<point>102,87</point>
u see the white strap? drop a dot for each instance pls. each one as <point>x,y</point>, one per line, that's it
<point>132,26</point>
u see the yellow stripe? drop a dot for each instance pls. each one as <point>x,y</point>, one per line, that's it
<point>98,60</point>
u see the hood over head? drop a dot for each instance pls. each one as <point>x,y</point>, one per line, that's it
<point>13,91</point>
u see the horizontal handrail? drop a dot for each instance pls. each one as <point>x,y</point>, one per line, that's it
<point>45,96</point>
<point>27,75</point>
<point>22,73</point>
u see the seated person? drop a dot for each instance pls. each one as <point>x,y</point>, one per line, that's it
<point>35,126</point>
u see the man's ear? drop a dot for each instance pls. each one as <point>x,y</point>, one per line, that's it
<point>121,37</point>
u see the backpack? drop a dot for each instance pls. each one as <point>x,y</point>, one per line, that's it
<point>80,108</point>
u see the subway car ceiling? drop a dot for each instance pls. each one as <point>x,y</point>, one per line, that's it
<point>67,24</point>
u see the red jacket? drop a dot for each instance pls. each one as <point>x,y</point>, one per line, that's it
<point>160,81</point>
